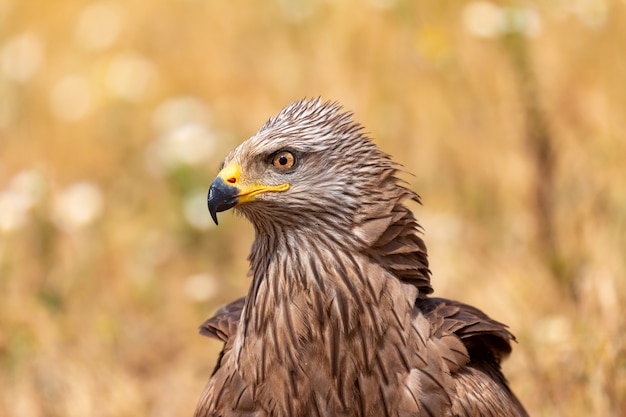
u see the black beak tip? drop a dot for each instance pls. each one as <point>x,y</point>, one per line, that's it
<point>221,197</point>
<point>212,211</point>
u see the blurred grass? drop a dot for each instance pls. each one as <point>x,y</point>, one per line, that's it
<point>108,263</point>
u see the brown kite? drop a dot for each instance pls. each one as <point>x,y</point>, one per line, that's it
<point>338,320</point>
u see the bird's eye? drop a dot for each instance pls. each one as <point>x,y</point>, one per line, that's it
<point>284,160</point>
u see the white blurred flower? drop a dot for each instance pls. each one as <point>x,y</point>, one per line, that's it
<point>188,144</point>
<point>525,21</point>
<point>21,57</point>
<point>488,20</point>
<point>129,76</point>
<point>184,135</point>
<point>484,19</point>
<point>25,190</point>
<point>71,98</point>
<point>196,212</point>
<point>99,24</point>
<point>77,206</point>
<point>180,111</point>
<point>13,211</point>
<point>30,184</point>
<point>200,287</point>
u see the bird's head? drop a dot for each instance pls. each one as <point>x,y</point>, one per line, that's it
<point>311,175</point>
<point>311,165</point>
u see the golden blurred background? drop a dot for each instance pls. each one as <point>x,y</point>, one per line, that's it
<point>114,117</point>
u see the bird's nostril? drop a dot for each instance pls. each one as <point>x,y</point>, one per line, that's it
<point>232,180</point>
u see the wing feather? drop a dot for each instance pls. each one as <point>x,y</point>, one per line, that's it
<point>224,323</point>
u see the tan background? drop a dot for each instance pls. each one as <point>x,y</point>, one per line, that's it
<point>114,117</point>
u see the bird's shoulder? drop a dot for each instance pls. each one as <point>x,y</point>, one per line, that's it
<point>477,331</point>
<point>480,387</point>
<point>224,323</point>
<point>226,394</point>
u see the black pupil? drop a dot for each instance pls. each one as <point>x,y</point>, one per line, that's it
<point>283,160</point>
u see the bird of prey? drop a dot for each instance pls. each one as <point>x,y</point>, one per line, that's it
<point>338,320</point>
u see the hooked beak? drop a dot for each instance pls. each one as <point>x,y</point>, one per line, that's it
<point>222,196</point>
<point>226,191</point>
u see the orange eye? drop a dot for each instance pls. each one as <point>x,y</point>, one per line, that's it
<point>284,160</point>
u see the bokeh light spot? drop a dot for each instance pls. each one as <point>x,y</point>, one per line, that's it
<point>195,210</point>
<point>21,57</point>
<point>77,206</point>
<point>99,25</point>
<point>129,76</point>
<point>200,287</point>
<point>71,98</point>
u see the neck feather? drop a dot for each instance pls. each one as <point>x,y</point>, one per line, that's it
<point>316,290</point>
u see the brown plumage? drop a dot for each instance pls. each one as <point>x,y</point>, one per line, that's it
<point>338,321</point>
